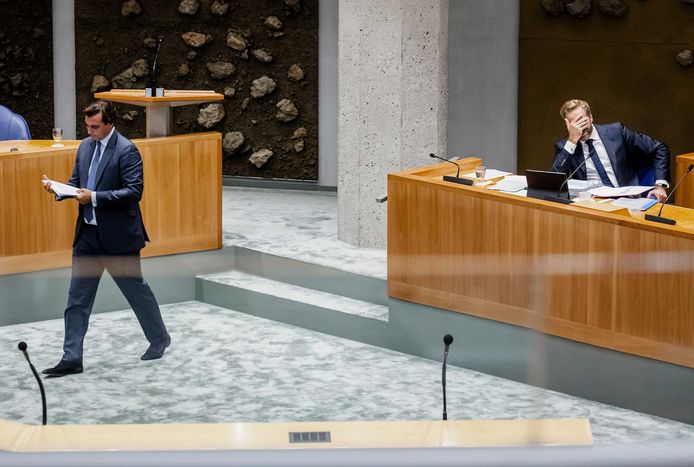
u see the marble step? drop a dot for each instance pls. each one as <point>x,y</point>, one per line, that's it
<point>299,294</point>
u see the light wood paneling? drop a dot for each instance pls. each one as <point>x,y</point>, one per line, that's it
<point>685,193</point>
<point>18,437</point>
<point>614,281</point>
<point>181,205</point>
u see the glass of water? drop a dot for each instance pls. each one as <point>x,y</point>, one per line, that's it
<point>480,173</point>
<point>57,137</point>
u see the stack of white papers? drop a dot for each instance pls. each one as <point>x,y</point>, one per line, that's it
<point>635,204</point>
<point>61,189</point>
<point>511,184</point>
<point>610,192</point>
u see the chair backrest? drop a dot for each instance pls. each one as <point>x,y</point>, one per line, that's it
<point>12,125</point>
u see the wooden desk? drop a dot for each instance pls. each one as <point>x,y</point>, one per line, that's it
<point>685,193</point>
<point>617,282</point>
<point>181,204</point>
<point>380,435</point>
<point>158,109</point>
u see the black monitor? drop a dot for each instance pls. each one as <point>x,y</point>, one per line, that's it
<point>547,185</point>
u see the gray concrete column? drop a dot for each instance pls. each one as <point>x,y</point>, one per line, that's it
<point>392,103</point>
<point>64,101</point>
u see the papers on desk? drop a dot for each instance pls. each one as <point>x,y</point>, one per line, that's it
<point>635,204</point>
<point>490,174</point>
<point>511,184</point>
<point>63,190</point>
<point>610,192</point>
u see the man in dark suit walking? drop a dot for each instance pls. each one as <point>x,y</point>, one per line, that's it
<point>613,154</point>
<point>109,235</point>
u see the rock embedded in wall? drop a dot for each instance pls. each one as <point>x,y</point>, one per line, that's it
<point>232,141</point>
<point>131,7</point>
<point>100,83</point>
<point>260,158</point>
<point>211,114</point>
<point>273,22</point>
<point>183,70</point>
<point>553,7</point>
<point>189,7</point>
<point>132,77</point>
<point>295,73</point>
<point>236,41</point>
<point>293,5</point>
<point>685,58</point>
<point>262,86</point>
<point>219,8</point>
<point>286,111</point>
<point>579,8</point>
<point>220,70</point>
<point>263,55</point>
<point>613,8</point>
<point>196,39</point>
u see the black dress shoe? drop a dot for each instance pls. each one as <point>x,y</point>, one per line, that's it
<point>156,350</point>
<point>64,368</point>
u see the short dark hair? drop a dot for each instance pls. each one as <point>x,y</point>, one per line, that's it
<point>107,110</point>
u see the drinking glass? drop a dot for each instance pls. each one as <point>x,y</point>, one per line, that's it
<point>57,137</point>
<point>480,172</point>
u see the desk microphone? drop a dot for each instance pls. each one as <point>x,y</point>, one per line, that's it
<point>23,347</point>
<point>558,198</point>
<point>448,178</point>
<point>152,91</point>
<point>447,340</point>
<point>665,220</point>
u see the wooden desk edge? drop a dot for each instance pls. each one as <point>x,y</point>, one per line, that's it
<point>19,437</point>
<point>612,218</point>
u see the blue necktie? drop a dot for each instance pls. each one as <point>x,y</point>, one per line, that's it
<point>91,181</point>
<point>598,165</point>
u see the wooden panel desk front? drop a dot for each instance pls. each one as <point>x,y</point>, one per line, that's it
<point>685,193</point>
<point>181,204</point>
<point>617,282</point>
<point>19,437</point>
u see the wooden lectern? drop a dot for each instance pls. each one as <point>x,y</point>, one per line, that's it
<point>158,109</point>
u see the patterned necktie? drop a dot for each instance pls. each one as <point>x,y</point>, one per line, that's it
<point>91,182</point>
<point>598,165</point>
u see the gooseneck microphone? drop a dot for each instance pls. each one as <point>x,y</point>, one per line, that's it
<point>665,220</point>
<point>558,197</point>
<point>152,80</point>
<point>447,340</point>
<point>23,347</point>
<point>449,178</point>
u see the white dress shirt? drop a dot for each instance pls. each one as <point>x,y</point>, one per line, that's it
<point>591,171</point>
<point>103,143</point>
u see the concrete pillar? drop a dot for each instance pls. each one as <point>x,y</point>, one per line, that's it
<point>392,103</point>
<point>64,101</point>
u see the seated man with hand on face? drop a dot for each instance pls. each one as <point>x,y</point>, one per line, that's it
<point>613,154</point>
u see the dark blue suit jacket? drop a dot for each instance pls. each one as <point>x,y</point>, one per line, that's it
<point>119,186</point>
<point>628,150</point>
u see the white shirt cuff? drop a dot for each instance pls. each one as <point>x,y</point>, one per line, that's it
<point>662,182</point>
<point>570,147</point>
